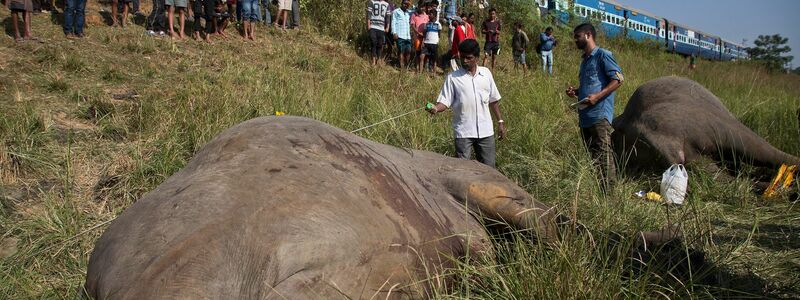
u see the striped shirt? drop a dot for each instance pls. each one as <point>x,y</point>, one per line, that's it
<point>377,14</point>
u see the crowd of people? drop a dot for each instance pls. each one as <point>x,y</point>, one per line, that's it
<point>415,32</point>
<point>208,17</point>
<point>217,15</point>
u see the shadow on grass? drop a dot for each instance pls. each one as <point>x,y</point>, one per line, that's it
<point>687,269</point>
<point>57,19</point>
<point>724,283</point>
<point>106,15</point>
<point>8,25</point>
<point>777,237</point>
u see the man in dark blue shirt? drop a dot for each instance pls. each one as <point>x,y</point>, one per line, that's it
<point>547,41</point>
<point>600,76</point>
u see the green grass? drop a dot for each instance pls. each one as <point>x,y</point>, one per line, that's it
<point>73,156</point>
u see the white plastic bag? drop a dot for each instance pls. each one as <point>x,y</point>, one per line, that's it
<point>673,184</point>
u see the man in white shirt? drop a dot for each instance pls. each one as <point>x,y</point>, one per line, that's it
<point>472,93</point>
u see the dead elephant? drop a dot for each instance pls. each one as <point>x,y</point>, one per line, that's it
<point>288,207</point>
<point>673,120</point>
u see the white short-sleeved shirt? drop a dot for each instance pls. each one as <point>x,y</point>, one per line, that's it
<point>469,97</point>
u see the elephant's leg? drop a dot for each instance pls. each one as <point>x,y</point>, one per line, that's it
<point>727,174</point>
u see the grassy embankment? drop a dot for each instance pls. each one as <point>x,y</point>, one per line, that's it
<point>87,126</point>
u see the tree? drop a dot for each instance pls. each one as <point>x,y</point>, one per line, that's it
<point>770,49</point>
<point>797,71</point>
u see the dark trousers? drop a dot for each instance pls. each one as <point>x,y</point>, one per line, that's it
<point>157,21</point>
<point>267,16</point>
<point>238,11</point>
<point>295,13</point>
<point>597,139</point>
<point>377,37</point>
<point>74,16</point>
<point>484,149</point>
<point>203,9</point>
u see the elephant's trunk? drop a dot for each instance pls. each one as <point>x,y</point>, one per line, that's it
<point>751,148</point>
<point>509,204</point>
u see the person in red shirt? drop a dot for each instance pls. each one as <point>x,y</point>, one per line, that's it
<point>458,37</point>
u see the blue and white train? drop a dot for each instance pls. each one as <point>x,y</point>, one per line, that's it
<point>617,19</point>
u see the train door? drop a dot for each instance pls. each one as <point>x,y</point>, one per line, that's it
<point>625,24</point>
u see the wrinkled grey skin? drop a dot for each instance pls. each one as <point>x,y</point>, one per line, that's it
<point>673,120</point>
<point>292,208</point>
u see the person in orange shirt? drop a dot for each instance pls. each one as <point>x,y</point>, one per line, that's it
<point>469,26</point>
<point>418,21</point>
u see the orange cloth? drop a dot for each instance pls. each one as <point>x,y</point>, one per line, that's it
<point>470,32</point>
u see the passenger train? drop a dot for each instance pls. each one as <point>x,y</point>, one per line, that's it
<point>617,19</point>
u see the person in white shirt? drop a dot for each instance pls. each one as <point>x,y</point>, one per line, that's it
<point>430,47</point>
<point>472,93</point>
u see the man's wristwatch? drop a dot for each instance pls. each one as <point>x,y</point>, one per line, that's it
<point>500,121</point>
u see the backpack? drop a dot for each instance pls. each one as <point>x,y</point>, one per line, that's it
<point>539,47</point>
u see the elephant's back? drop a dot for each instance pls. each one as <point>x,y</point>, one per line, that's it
<point>264,200</point>
<point>673,104</point>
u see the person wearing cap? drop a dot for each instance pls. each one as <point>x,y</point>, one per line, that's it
<point>473,96</point>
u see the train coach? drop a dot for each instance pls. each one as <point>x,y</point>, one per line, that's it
<point>616,19</point>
